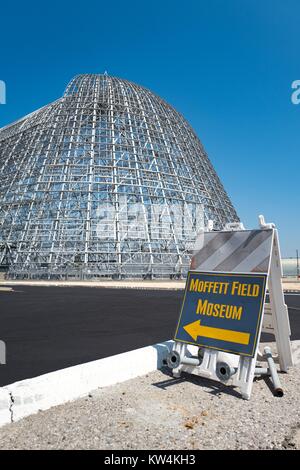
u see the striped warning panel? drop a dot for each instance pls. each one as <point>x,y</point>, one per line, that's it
<point>237,251</point>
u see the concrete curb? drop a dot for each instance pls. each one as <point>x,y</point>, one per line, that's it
<point>5,405</point>
<point>26,397</point>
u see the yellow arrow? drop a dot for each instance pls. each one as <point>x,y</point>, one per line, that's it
<point>195,329</point>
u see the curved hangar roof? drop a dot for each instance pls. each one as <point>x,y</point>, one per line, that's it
<point>108,180</point>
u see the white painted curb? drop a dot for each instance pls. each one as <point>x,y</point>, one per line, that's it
<point>26,397</point>
<point>5,402</point>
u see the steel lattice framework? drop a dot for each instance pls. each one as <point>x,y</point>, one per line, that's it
<point>73,171</point>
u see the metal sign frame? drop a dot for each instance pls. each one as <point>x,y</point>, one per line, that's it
<point>237,370</point>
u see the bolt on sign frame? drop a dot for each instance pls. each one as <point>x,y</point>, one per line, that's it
<point>72,171</point>
<point>236,250</point>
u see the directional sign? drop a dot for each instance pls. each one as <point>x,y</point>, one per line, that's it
<point>222,311</point>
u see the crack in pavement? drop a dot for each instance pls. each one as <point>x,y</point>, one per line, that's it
<point>11,407</point>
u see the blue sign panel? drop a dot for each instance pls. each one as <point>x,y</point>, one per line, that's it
<point>222,311</point>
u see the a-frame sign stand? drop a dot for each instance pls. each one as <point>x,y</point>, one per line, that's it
<point>233,364</point>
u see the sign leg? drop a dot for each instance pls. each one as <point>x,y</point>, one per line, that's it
<point>246,376</point>
<point>279,309</point>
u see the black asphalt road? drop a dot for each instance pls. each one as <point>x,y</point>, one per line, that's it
<point>49,328</point>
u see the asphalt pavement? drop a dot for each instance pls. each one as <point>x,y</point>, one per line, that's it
<point>50,328</point>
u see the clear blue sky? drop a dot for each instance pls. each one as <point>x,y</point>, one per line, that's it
<point>226,65</point>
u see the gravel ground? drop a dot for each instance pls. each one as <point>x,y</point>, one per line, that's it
<point>158,412</point>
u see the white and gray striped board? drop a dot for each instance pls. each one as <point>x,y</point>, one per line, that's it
<point>235,251</point>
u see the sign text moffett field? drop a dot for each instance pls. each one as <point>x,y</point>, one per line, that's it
<point>222,311</point>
